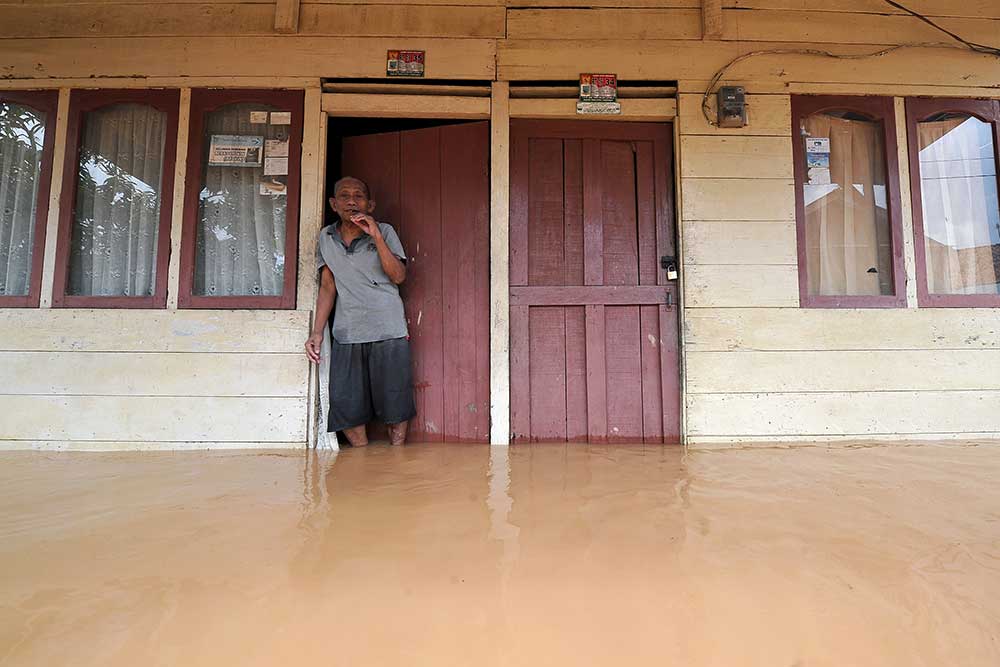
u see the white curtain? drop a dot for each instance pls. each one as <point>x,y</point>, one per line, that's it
<point>118,198</point>
<point>848,245</point>
<point>958,187</point>
<point>241,233</point>
<point>22,135</point>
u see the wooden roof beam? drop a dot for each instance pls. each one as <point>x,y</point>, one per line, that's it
<point>286,16</point>
<point>711,19</point>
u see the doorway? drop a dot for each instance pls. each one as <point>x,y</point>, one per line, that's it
<point>594,321</point>
<point>430,180</point>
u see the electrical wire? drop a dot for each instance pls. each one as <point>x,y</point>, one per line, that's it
<point>963,45</point>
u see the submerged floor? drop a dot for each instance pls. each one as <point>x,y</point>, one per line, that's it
<point>540,555</point>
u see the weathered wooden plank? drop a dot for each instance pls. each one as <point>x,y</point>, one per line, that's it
<point>843,413</point>
<point>931,8</point>
<point>740,242</point>
<point>840,370</point>
<point>736,157</point>
<point>501,317</point>
<point>154,330</point>
<point>766,115</point>
<point>576,23</point>
<point>238,56</point>
<point>609,295</point>
<point>635,109</point>
<point>405,106</point>
<point>722,286</point>
<point>842,329</point>
<point>154,374</point>
<point>170,19</point>
<point>842,28</point>
<point>737,199</point>
<point>597,381</point>
<point>696,60</point>
<point>141,445</point>
<point>154,418</point>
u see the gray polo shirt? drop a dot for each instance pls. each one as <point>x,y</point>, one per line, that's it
<point>368,305</point>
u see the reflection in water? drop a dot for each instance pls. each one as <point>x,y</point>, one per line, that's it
<point>537,554</point>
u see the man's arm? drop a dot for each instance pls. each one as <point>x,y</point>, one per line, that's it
<point>324,306</point>
<point>391,264</point>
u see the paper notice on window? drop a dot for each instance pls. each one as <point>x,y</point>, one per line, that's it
<point>258,117</point>
<point>275,166</point>
<point>821,160</point>
<point>228,150</point>
<point>273,188</point>
<point>819,176</point>
<point>276,148</point>
<point>818,145</point>
<point>281,118</point>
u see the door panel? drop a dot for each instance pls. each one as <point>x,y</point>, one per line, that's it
<point>432,185</point>
<point>593,341</point>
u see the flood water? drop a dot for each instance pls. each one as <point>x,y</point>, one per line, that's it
<point>536,555</point>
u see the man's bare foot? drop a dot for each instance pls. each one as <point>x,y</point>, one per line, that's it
<point>397,433</point>
<point>357,436</point>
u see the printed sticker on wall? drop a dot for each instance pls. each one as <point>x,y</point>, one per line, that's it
<point>275,166</point>
<point>228,150</point>
<point>276,148</point>
<point>281,118</point>
<point>598,87</point>
<point>258,117</point>
<point>404,63</point>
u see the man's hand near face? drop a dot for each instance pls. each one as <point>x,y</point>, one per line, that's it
<point>367,224</point>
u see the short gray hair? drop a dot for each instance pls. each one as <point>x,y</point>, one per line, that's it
<point>355,179</point>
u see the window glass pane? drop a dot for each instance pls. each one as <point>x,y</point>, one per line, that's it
<point>117,214</point>
<point>240,243</point>
<point>958,185</point>
<point>848,239</point>
<point>22,135</point>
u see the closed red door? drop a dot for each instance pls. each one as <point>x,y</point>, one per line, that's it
<point>432,185</point>
<point>593,327</point>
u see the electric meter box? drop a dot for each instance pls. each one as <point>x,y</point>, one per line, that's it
<point>732,106</point>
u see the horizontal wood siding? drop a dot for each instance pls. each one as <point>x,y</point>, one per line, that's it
<point>99,379</point>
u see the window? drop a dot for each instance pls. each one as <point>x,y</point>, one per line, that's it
<point>956,216</point>
<point>26,138</point>
<point>847,202</point>
<point>114,232</point>
<point>242,199</point>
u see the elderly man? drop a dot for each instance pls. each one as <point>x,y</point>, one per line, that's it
<point>362,262</point>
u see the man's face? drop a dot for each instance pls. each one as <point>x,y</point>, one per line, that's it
<point>349,199</point>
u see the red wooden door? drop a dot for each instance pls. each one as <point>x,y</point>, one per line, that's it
<point>593,340</point>
<point>432,185</point>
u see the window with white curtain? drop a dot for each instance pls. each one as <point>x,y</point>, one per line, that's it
<point>114,235</point>
<point>954,164</point>
<point>118,199</point>
<point>847,217</point>
<point>25,148</point>
<point>241,203</point>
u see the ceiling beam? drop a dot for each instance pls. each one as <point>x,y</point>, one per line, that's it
<point>711,19</point>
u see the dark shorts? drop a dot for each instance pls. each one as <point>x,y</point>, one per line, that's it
<point>370,381</point>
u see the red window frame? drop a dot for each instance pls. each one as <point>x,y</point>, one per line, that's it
<point>880,109</point>
<point>204,101</point>
<point>46,101</point>
<point>82,101</point>
<point>917,110</point>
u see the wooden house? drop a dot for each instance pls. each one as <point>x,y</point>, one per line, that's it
<point>829,270</point>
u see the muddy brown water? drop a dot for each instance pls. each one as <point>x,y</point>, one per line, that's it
<point>536,555</point>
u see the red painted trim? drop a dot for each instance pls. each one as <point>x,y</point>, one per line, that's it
<point>918,109</point>
<point>82,101</point>
<point>594,295</point>
<point>204,101</point>
<point>879,109</point>
<point>48,102</point>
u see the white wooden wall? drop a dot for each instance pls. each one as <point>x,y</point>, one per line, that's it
<point>757,367</point>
